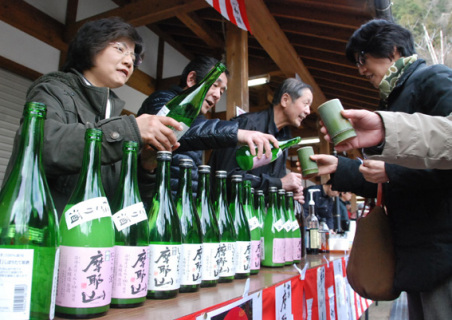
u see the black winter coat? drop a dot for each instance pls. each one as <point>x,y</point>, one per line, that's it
<point>419,202</point>
<point>262,177</point>
<point>204,134</point>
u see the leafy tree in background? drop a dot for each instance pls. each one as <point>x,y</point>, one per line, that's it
<point>436,16</point>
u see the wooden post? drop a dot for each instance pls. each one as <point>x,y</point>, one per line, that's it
<point>237,63</point>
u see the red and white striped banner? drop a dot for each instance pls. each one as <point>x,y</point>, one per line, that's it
<point>233,10</point>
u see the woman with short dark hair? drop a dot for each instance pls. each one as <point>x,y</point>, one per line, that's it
<point>102,56</point>
<point>418,202</point>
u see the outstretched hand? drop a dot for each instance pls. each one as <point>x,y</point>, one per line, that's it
<point>262,141</point>
<point>368,126</point>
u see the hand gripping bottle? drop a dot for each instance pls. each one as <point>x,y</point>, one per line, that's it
<point>130,280</point>
<point>210,231</point>
<point>274,234</point>
<point>85,275</point>
<point>164,236</point>
<point>186,106</point>
<point>228,237</point>
<point>28,229</point>
<point>191,253</point>
<point>247,161</point>
<point>242,230</point>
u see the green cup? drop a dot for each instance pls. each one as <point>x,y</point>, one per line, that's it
<point>339,128</point>
<point>309,168</point>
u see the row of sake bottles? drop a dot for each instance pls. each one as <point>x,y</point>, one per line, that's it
<point>92,259</point>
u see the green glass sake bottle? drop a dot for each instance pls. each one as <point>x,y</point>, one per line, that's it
<point>210,231</point>
<point>261,212</point>
<point>191,248</point>
<point>85,275</point>
<point>164,236</point>
<point>312,227</point>
<point>242,229</point>
<point>247,161</point>
<point>226,254</point>
<point>130,279</point>
<point>287,225</point>
<point>29,234</point>
<point>296,232</point>
<point>186,106</point>
<point>255,227</point>
<point>274,234</point>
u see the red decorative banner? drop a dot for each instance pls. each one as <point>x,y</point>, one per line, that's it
<point>233,10</point>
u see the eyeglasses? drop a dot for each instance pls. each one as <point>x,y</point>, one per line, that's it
<point>361,61</point>
<point>123,49</point>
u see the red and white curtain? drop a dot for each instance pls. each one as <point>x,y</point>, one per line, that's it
<point>233,10</point>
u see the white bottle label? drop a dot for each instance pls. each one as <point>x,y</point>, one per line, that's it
<point>226,259</point>
<point>129,216</point>
<point>179,134</point>
<point>164,267</point>
<point>16,269</point>
<point>86,211</point>
<point>295,225</point>
<point>54,285</point>
<point>243,262</point>
<point>288,226</point>
<point>254,223</point>
<point>278,225</point>
<point>190,266</point>
<point>85,277</point>
<point>210,254</point>
<point>131,272</point>
<point>164,111</point>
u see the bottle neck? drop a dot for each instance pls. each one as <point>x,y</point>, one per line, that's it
<point>203,191</point>
<point>163,176</point>
<point>127,192</point>
<point>272,201</point>
<point>90,183</point>
<point>288,143</point>
<point>221,191</point>
<point>184,189</point>
<point>30,142</point>
<point>236,192</point>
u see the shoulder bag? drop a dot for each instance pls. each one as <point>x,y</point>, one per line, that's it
<point>371,265</point>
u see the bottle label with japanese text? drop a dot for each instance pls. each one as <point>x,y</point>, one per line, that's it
<point>164,267</point>
<point>288,250</point>
<point>210,268</point>
<point>131,272</point>
<point>278,250</point>
<point>85,277</point>
<point>163,112</point>
<point>16,269</point>
<point>190,266</point>
<point>278,225</point>
<point>87,210</point>
<point>129,216</point>
<point>255,254</point>
<point>243,262</point>
<point>314,239</point>
<point>225,259</point>
<point>296,246</point>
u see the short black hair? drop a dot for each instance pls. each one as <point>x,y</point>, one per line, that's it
<point>293,87</point>
<point>379,38</point>
<point>201,65</point>
<point>93,37</point>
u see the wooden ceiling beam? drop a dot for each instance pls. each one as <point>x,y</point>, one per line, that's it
<point>201,29</point>
<point>268,33</point>
<point>301,11</point>
<point>144,12</point>
<point>170,40</point>
<point>34,22</point>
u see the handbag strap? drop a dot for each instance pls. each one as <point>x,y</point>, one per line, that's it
<point>380,201</point>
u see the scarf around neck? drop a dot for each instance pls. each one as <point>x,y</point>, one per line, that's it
<point>393,74</point>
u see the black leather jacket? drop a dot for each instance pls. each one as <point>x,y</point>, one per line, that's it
<point>204,134</point>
